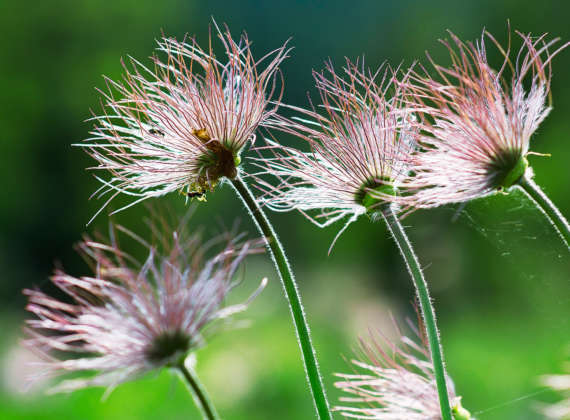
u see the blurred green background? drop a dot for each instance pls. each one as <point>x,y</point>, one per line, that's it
<point>498,273</point>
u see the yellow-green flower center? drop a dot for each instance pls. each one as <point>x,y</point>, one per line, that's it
<point>460,413</point>
<point>372,195</point>
<point>506,168</point>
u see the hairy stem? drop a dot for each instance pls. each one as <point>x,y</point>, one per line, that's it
<point>426,306</point>
<point>547,207</point>
<point>292,294</point>
<point>198,392</point>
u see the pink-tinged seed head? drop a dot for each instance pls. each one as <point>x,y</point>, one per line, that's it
<point>130,317</point>
<point>182,125</point>
<point>476,121</point>
<point>360,139</point>
<point>393,381</point>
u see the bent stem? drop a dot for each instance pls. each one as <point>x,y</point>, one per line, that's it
<point>546,206</point>
<point>428,313</point>
<point>293,297</point>
<point>198,392</point>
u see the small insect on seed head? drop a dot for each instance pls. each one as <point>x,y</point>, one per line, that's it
<point>183,124</point>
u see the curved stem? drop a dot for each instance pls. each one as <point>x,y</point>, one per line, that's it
<point>292,294</point>
<point>546,206</point>
<point>428,313</point>
<point>198,392</point>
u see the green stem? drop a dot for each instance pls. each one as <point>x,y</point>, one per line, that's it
<point>426,306</point>
<point>546,206</point>
<point>198,392</point>
<point>293,297</point>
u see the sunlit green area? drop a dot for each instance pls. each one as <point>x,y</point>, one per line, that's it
<point>499,274</point>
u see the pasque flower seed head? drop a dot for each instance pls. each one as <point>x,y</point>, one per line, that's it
<point>129,317</point>
<point>182,125</point>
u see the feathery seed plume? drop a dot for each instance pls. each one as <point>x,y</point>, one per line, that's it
<point>129,317</point>
<point>477,121</point>
<point>360,148</point>
<point>395,382</point>
<point>182,126</point>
